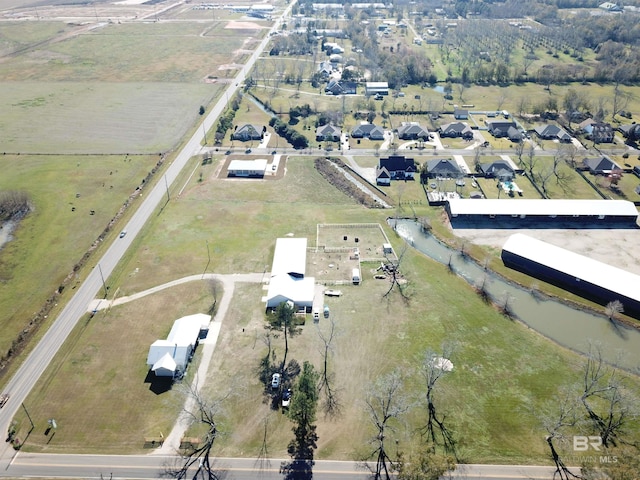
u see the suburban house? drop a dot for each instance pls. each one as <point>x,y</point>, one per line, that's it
<point>500,169</point>
<point>460,114</point>
<point>288,282</point>
<point>325,69</point>
<point>368,130</point>
<point>600,165</point>
<point>504,129</point>
<point>598,132</point>
<point>376,88</point>
<point>456,129</point>
<point>630,132</point>
<point>552,132</point>
<point>170,357</point>
<point>398,167</point>
<point>340,87</point>
<point>444,167</point>
<point>248,132</point>
<point>383,177</point>
<point>328,133</point>
<point>331,48</point>
<point>412,131</point>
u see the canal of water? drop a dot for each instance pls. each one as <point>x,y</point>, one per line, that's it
<point>568,326</point>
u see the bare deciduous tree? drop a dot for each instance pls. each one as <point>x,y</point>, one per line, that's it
<point>198,456</point>
<point>331,405</point>
<point>433,368</point>
<point>614,308</point>
<point>385,404</point>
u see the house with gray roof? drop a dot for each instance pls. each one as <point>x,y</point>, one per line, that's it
<point>399,167</point>
<point>500,169</point>
<point>600,165</point>
<point>340,87</point>
<point>455,130</point>
<point>412,131</point>
<point>552,132</point>
<point>248,132</point>
<point>368,130</point>
<point>329,133</point>
<point>444,167</point>
<point>504,129</point>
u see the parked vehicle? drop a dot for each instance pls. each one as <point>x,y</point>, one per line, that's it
<point>286,398</point>
<point>275,380</point>
<point>326,311</point>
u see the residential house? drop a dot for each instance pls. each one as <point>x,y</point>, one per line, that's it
<point>552,132</point>
<point>504,129</point>
<point>600,165</point>
<point>248,132</point>
<point>328,133</point>
<point>399,167</point>
<point>460,114</point>
<point>500,169</point>
<point>630,132</point>
<point>331,48</point>
<point>455,130</point>
<point>340,87</point>
<point>325,69</point>
<point>412,131</point>
<point>443,168</point>
<point>383,177</point>
<point>368,130</point>
<point>598,132</point>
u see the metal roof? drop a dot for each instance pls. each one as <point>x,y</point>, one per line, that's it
<point>470,206</point>
<point>290,257</point>
<point>576,265</point>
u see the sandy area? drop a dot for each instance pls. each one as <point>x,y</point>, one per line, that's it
<point>243,25</point>
<point>616,247</point>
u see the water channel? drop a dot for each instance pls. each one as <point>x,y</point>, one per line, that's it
<point>573,328</point>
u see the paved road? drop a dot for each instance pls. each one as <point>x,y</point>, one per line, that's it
<point>35,364</point>
<point>155,467</point>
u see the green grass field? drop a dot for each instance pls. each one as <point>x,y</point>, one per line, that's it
<point>53,238</point>
<point>504,373</point>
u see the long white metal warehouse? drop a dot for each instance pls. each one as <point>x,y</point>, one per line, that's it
<point>615,211</point>
<point>582,275</point>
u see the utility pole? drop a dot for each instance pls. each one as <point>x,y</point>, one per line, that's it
<point>104,285</point>
<point>208,259</point>
<point>204,131</point>
<point>166,183</point>
<point>28,416</point>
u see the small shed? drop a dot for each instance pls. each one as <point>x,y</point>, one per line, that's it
<point>387,249</point>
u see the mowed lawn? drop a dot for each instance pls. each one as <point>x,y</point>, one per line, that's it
<point>504,374</point>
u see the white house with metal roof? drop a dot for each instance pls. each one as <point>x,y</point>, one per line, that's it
<point>247,168</point>
<point>288,281</point>
<point>170,356</point>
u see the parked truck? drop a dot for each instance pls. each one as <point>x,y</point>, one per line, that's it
<point>355,276</point>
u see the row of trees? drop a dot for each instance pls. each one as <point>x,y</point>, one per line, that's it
<point>296,139</point>
<point>14,205</point>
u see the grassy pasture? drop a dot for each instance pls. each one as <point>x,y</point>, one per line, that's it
<point>129,53</point>
<point>240,220</point>
<point>100,118</point>
<point>51,239</point>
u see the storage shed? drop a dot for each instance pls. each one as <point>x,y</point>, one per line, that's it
<point>247,168</point>
<point>576,273</point>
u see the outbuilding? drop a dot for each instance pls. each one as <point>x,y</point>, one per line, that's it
<point>288,282</point>
<point>247,168</point>
<point>576,273</point>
